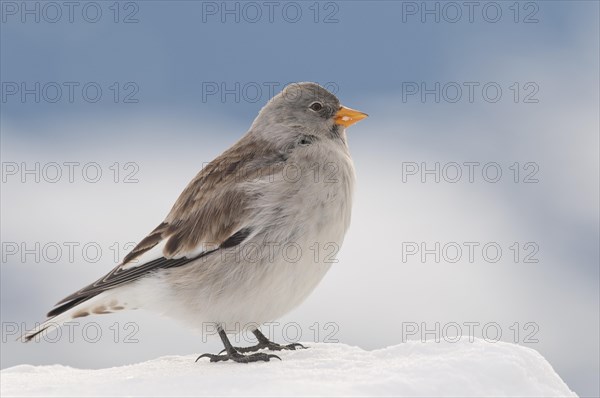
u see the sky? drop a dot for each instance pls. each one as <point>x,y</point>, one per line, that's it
<point>481,149</point>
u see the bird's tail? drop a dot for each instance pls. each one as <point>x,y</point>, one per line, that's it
<point>80,307</point>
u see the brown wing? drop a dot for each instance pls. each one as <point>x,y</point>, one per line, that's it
<point>211,213</point>
<point>214,205</point>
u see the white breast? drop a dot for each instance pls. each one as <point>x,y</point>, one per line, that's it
<point>305,217</point>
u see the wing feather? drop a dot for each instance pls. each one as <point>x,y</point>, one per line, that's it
<point>212,212</point>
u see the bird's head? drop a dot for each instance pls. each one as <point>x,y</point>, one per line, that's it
<point>304,108</point>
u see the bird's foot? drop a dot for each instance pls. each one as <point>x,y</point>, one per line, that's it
<point>237,357</point>
<point>270,346</point>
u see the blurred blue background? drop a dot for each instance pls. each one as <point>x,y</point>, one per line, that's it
<point>180,81</point>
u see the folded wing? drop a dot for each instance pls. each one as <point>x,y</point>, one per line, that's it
<point>213,212</point>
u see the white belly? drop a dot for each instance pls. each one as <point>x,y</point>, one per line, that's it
<point>271,273</point>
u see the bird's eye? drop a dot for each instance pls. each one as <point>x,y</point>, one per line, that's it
<point>316,106</point>
<point>305,141</point>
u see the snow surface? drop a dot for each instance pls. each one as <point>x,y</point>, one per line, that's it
<point>414,368</point>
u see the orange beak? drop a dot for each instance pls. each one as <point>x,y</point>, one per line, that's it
<point>347,117</point>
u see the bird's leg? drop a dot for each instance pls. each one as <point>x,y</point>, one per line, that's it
<point>233,354</point>
<point>264,342</point>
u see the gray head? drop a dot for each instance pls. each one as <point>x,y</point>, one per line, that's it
<point>304,108</point>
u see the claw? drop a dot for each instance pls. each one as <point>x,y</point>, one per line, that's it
<point>236,354</point>
<point>270,346</point>
<point>239,358</point>
<point>205,356</point>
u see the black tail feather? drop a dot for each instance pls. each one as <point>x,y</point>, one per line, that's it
<point>68,305</point>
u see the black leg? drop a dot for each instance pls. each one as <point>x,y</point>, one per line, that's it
<point>234,354</point>
<point>264,342</point>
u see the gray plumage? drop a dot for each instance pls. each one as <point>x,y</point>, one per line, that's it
<point>219,256</point>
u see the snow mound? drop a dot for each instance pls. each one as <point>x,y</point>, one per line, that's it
<point>409,369</point>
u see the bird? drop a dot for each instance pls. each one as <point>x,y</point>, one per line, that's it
<point>237,248</point>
